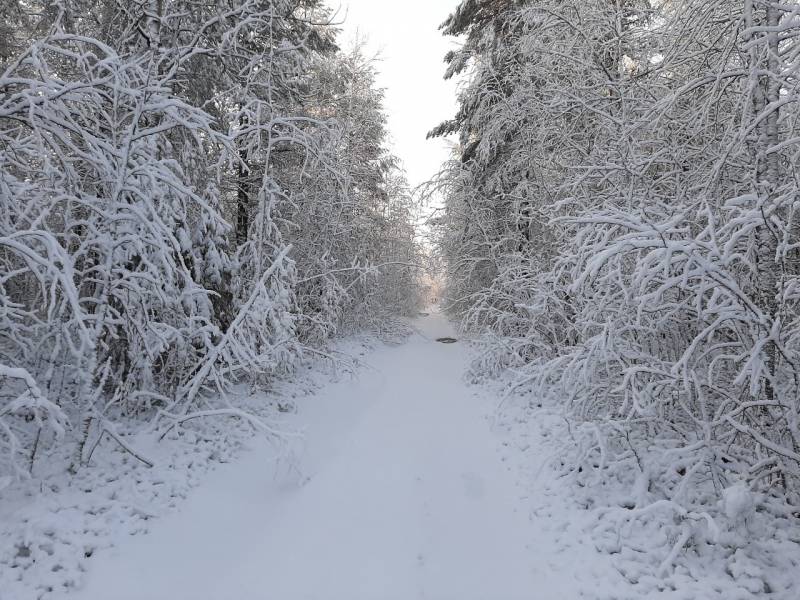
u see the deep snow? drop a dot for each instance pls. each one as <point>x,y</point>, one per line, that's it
<point>405,485</point>
<point>401,494</point>
<point>407,488</point>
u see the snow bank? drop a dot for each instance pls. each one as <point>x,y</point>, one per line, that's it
<point>52,525</point>
<point>737,545</point>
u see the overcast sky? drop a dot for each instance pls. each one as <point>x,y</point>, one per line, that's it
<point>412,50</point>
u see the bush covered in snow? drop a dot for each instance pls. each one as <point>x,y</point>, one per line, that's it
<point>191,195</point>
<point>621,226</point>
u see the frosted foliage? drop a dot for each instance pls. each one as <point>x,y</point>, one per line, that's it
<point>621,227</point>
<point>175,192</point>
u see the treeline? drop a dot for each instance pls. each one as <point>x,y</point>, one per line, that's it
<point>622,218</point>
<point>191,194</point>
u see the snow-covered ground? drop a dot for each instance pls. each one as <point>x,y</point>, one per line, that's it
<point>624,552</point>
<point>402,494</point>
<point>55,525</point>
<point>407,486</point>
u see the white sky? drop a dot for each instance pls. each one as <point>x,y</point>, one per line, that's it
<point>405,33</point>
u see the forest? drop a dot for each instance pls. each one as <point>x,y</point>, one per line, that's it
<point>623,221</point>
<point>201,204</point>
<point>191,196</point>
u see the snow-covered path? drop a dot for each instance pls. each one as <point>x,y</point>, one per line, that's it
<point>406,498</point>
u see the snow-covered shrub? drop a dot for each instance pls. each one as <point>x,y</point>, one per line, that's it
<point>172,190</point>
<point>621,229</point>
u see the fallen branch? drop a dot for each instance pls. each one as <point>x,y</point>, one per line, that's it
<point>221,412</point>
<point>108,428</point>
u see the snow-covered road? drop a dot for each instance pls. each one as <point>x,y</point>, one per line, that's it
<point>406,498</point>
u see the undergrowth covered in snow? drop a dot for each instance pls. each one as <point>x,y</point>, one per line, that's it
<point>665,538</point>
<point>620,225</point>
<point>53,523</point>
<point>192,197</point>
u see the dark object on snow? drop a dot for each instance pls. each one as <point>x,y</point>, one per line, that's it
<point>424,314</point>
<point>447,340</point>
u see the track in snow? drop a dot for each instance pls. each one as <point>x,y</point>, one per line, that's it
<point>406,499</point>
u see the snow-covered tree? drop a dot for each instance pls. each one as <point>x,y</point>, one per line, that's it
<point>620,218</point>
<point>156,164</point>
